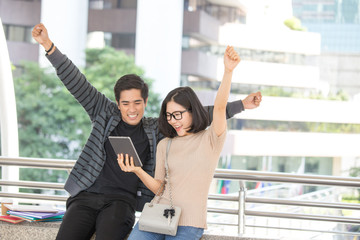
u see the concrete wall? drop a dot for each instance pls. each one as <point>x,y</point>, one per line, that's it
<point>159,41</point>
<point>21,51</point>
<point>201,25</point>
<point>25,13</point>
<point>48,230</point>
<point>112,20</point>
<point>21,13</point>
<point>67,23</point>
<point>341,71</point>
<point>199,64</point>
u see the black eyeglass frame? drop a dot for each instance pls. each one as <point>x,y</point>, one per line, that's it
<point>169,116</point>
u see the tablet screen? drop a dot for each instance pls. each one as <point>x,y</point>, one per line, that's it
<point>124,145</point>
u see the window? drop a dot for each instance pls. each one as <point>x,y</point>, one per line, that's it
<point>123,40</point>
<point>18,33</point>
<point>112,4</point>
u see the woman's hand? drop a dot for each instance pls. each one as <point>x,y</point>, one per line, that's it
<point>231,59</point>
<point>128,164</point>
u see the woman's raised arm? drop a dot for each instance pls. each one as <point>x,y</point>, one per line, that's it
<point>231,60</point>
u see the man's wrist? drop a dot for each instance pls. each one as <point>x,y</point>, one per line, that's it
<point>47,45</point>
<point>242,105</point>
<point>50,49</point>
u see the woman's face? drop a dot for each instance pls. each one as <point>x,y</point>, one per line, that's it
<point>179,118</point>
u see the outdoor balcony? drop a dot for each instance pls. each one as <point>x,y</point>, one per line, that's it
<point>265,213</point>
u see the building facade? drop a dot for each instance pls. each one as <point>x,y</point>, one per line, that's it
<point>338,22</point>
<point>285,65</point>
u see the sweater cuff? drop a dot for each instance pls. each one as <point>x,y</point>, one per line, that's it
<point>234,108</point>
<point>56,58</point>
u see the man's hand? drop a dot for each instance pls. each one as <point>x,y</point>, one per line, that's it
<point>252,101</point>
<point>40,34</point>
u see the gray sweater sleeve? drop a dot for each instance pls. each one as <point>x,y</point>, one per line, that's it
<point>232,108</point>
<point>86,94</point>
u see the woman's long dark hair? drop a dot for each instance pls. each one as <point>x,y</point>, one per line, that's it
<point>187,98</point>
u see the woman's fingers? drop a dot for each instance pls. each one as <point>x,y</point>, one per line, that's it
<point>232,53</point>
<point>132,162</point>
<point>126,164</point>
<point>127,160</point>
<point>121,161</point>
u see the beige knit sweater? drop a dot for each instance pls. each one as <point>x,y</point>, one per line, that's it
<point>192,162</point>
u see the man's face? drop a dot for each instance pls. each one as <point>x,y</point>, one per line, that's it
<point>131,106</point>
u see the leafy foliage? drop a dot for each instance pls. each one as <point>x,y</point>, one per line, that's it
<point>294,24</point>
<point>49,120</point>
<point>50,123</point>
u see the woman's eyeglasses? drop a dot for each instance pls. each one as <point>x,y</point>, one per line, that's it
<point>177,115</point>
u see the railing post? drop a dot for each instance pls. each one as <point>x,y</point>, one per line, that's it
<point>8,116</point>
<point>241,214</point>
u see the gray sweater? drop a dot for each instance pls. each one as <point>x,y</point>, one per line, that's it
<point>105,116</point>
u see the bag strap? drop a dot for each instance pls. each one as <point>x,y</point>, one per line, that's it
<point>167,175</point>
<point>170,212</point>
<point>166,178</point>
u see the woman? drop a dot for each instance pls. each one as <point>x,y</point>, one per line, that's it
<point>193,154</point>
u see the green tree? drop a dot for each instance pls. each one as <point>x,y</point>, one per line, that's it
<point>294,24</point>
<point>51,122</point>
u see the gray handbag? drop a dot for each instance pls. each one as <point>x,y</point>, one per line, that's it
<point>161,218</point>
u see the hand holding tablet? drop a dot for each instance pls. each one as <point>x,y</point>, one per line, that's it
<point>124,145</point>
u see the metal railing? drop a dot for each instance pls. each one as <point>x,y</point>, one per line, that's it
<point>242,211</point>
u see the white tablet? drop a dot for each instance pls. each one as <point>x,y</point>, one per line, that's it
<point>124,145</point>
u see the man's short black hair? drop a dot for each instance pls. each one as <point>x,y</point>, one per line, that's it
<point>187,98</point>
<point>131,81</point>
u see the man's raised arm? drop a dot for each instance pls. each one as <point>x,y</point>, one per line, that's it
<point>252,101</point>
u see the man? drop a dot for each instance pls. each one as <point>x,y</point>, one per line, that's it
<point>103,197</point>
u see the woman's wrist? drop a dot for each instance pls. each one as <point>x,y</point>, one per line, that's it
<point>227,70</point>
